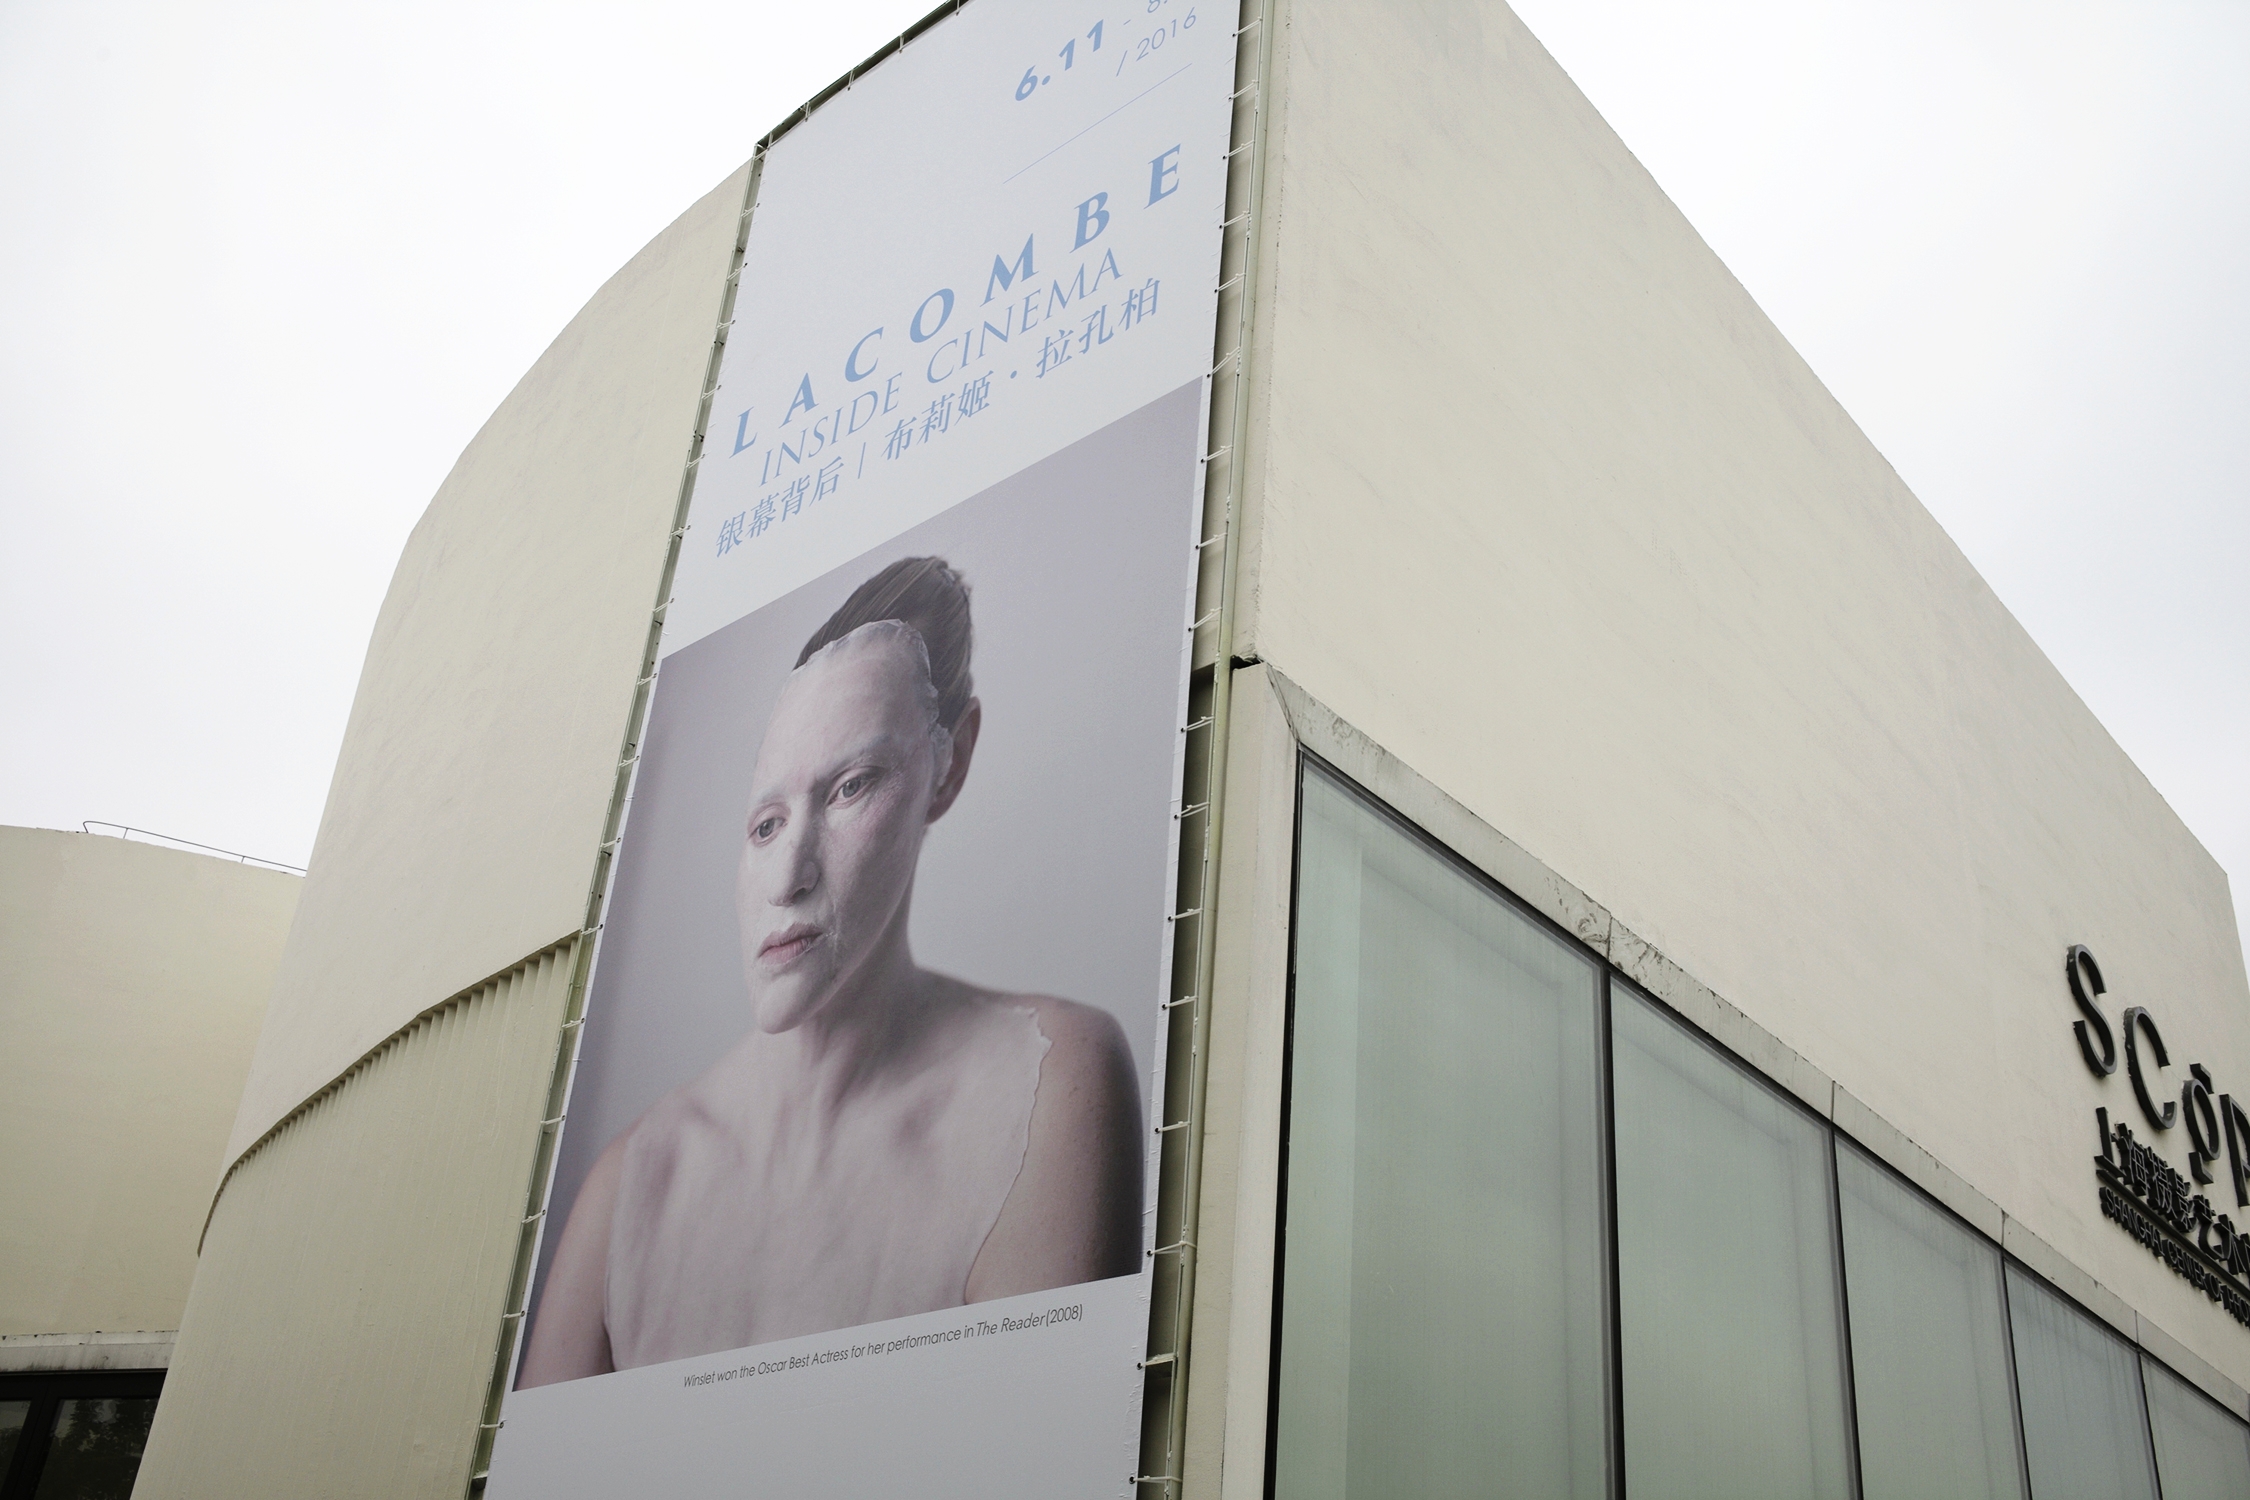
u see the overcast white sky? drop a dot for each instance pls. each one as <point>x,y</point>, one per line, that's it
<point>265,267</point>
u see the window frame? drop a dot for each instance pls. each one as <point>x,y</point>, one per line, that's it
<point>1839,1139</point>
<point>1613,984</point>
<point>2195,1392</point>
<point>46,1390</point>
<point>1606,1145</point>
<point>1308,762</point>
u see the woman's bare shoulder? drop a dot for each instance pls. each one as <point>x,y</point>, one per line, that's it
<point>597,1194</point>
<point>1073,1214</point>
<point>1079,1030</point>
<point>1088,1081</point>
<point>1085,1045</point>
<point>1076,1035</point>
<point>1088,1068</point>
<point>570,1338</point>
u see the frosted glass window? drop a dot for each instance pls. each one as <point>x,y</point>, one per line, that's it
<point>2202,1453</point>
<point>1443,1299</point>
<point>2080,1385</point>
<point>1730,1323</point>
<point>1930,1364</point>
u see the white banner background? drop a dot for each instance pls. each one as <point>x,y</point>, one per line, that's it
<point>877,373</point>
<point>912,184</point>
<point>1050,1410</point>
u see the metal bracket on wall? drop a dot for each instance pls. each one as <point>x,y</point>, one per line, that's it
<point>1165,1369</point>
<point>509,1334</point>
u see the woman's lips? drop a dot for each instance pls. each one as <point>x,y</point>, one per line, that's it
<point>783,948</point>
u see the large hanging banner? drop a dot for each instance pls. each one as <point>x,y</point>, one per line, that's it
<point>856,1190</point>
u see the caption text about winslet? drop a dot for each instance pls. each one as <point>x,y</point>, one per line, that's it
<point>975,1328</point>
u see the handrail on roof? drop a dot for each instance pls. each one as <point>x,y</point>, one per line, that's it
<point>125,833</point>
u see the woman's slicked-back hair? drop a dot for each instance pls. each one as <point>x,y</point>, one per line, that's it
<point>926,593</point>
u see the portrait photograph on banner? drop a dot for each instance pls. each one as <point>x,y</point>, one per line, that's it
<point>860,1133</point>
<point>878,975</point>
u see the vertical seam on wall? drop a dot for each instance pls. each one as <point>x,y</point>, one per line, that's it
<point>1162,1460</point>
<point>1261,280</point>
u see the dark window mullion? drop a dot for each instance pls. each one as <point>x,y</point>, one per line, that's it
<point>1844,1318</point>
<point>1606,1017</point>
<point>1281,1157</point>
<point>31,1448</point>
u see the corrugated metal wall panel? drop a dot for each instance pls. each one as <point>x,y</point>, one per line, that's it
<point>340,1334</point>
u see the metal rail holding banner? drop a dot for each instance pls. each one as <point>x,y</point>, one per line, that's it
<point>509,1335</point>
<point>510,1332</point>
<point>733,586</point>
<point>574,1006</point>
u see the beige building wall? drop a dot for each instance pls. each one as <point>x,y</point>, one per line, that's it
<point>1543,504</point>
<point>345,1318</point>
<point>132,982</point>
<point>476,768</point>
<point>347,1308</point>
<point>1536,498</point>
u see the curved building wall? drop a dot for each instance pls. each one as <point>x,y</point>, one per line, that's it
<point>132,979</point>
<point>477,764</point>
<point>342,1329</point>
<point>1539,512</point>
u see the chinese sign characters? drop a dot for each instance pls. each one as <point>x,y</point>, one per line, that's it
<point>2148,1197</point>
<point>1082,337</point>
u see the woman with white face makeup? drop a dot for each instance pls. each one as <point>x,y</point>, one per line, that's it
<point>884,1140</point>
